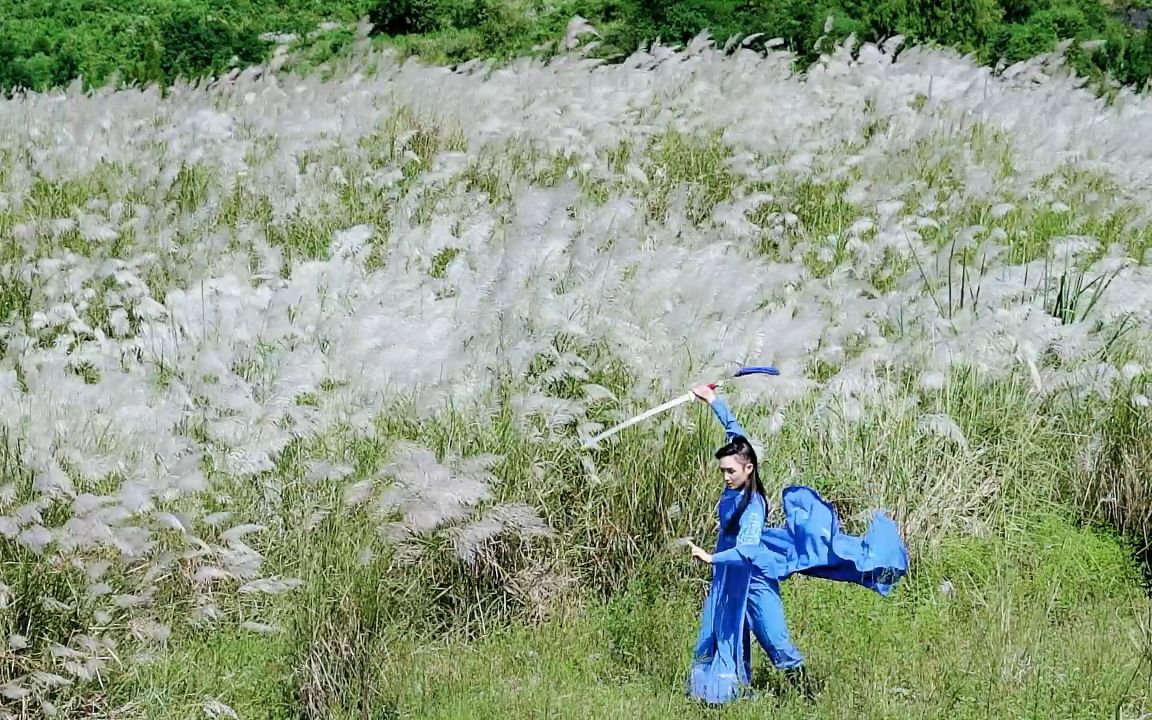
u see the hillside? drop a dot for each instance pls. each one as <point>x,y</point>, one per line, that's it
<point>295,372</point>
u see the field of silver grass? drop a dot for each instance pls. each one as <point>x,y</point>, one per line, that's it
<point>268,337</point>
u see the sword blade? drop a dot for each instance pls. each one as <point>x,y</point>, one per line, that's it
<point>640,418</point>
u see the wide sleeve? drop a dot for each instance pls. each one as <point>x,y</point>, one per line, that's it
<point>748,541</point>
<point>723,413</point>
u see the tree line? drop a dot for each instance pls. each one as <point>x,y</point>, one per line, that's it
<point>49,43</point>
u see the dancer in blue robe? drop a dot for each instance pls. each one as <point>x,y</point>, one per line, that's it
<point>751,560</point>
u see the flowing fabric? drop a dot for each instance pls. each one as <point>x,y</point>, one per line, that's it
<point>749,563</point>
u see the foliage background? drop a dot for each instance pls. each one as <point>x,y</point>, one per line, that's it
<point>47,43</point>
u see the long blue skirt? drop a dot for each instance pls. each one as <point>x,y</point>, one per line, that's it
<point>810,543</point>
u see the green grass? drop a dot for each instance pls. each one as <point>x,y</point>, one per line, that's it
<point>1043,618</point>
<point>1048,623</point>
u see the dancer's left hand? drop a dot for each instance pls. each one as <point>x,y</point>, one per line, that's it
<point>700,553</point>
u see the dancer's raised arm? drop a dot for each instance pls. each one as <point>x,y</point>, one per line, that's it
<point>732,427</point>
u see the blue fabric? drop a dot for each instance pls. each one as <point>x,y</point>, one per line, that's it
<point>722,660</point>
<point>749,563</point>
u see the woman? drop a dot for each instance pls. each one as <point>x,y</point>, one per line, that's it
<point>750,561</point>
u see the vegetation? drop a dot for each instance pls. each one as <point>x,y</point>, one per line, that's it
<point>295,372</point>
<point>44,43</point>
<point>961,645</point>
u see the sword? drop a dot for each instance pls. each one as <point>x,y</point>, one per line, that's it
<point>686,397</point>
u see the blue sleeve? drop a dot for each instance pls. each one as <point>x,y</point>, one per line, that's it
<point>732,426</point>
<point>748,541</point>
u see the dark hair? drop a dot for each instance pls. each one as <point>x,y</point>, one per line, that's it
<point>742,450</point>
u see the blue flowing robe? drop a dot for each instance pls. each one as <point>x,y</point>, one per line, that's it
<point>750,561</point>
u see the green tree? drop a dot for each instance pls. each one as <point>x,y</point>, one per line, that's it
<point>965,24</point>
<point>195,43</point>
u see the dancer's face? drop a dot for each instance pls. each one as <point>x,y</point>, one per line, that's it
<point>737,473</point>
